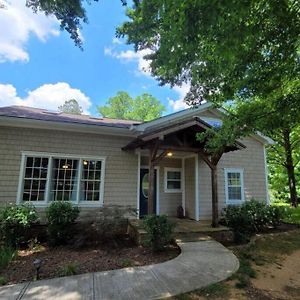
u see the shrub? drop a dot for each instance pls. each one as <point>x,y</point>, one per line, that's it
<point>159,230</point>
<point>15,221</point>
<point>61,215</point>
<point>251,217</point>
<point>3,280</point>
<point>68,270</point>
<point>7,254</point>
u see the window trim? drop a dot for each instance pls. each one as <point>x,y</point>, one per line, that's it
<point>52,156</point>
<point>166,170</point>
<point>241,172</point>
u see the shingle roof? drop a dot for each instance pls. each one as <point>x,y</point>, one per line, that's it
<point>25,112</point>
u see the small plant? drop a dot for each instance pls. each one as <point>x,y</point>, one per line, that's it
<point>15,221</point>
<point>126,262</point>
<point>68,270</point>
<point>159,230</point>
<point>3,280</point>
<point>61,215</point>
<point>7,254</point>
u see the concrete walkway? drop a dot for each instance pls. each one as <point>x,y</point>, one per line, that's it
<point>199,264</point>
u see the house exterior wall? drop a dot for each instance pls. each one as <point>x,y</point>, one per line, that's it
<point>251,160</point>
<point>190,187</point>
<point>120,181</point>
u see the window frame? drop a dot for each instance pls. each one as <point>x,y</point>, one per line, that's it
<point>166,189</point>
<point>51,157</point>
<point>236,201</point>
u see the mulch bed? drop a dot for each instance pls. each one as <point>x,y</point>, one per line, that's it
<point>108,256</point>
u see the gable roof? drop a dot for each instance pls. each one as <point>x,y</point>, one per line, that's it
<point>24,112</point>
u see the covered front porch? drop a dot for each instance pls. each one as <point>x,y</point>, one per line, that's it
<point>169,162</point>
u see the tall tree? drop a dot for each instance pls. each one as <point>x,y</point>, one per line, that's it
<point>71,107</point>
<point>123,106</point>
<point>245,51</point>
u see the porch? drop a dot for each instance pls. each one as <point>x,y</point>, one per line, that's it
<point>178,141</point>
<point>185,230</point>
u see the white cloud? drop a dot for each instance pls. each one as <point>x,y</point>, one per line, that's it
<point>17,24</point>
<point>48,96</point>
<point>132,56</point>
<point>117,41</point>
<point>180,103</point>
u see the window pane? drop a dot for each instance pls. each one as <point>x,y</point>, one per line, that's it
<point>64,179</point>
<point>90,180</point>
<point>234,179</point>
<point>234,193</point>
<point>34,185</point>
<point>173,185</point>
<point>174,175</point>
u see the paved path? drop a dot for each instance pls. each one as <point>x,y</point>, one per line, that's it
<point>199,264</point>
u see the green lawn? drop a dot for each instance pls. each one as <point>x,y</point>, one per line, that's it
<point>292,214</point>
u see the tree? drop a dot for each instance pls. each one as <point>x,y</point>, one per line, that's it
<point>71,107</point>
<point>70,14</point>
<point>122,106</point>
<point>245,51</point>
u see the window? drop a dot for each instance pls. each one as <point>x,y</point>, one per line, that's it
<point>172,180</point>
<point>234,186</point>
<point>48,177</point>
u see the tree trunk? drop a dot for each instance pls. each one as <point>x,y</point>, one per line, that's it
<point>290,167</point>
<point>214,191</point>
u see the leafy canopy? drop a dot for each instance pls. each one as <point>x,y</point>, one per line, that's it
<point>70,14</point>
<point>71,107</point>
<point>122,106</point>
<point>245,51</point>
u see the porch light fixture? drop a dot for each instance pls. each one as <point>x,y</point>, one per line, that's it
<point>65,166</point>
<point>169,154</point>
<point>85,162</point>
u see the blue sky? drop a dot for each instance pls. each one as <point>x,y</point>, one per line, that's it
<point>40,65</point>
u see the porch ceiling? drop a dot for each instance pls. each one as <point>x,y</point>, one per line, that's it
<point>180,137</point>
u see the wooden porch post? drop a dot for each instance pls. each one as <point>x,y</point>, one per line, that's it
<point>212,162</point>
<point>214,194</point>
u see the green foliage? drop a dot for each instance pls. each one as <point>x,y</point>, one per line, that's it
<point>3,280</point>
<point>69,13</point>
<point>68,270</point>
<point>123,106</point>
<point>159,231</point>
<point>61,215</point>
<point>235,50</point>
<point>251,217</point>
<point>71,107</point>
<point>15,221</point>
<point>7,254</point>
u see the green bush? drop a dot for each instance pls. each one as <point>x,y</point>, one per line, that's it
<point>15,221</point>
<point>159,231</point>
<point>60,216</point>
<point>251,217</point>
<point>7,254</point>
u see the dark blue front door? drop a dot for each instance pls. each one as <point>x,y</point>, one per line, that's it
<point>144,191</point>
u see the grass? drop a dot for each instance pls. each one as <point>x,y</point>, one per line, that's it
<point>2,280</point>
<point>213,291</point>
<point>68,270</point>
<point>292,215</point>
<point>7,254</point>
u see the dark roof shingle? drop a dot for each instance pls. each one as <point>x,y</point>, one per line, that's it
<point>46,115</point>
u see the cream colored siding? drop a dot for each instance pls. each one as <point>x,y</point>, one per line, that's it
<point>120,172</point>
<point>168,201</point>
<point>190,187</point>
<point>251,160</point>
